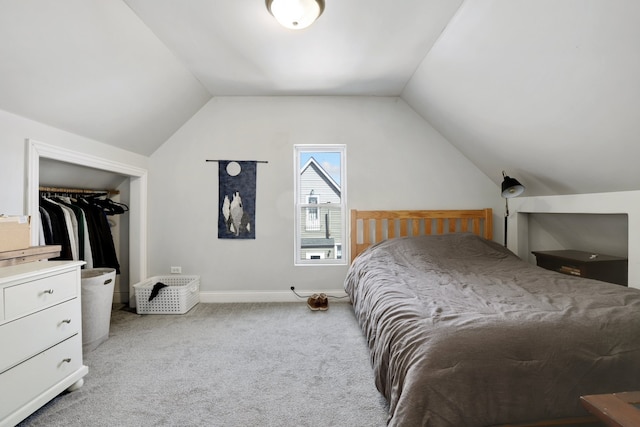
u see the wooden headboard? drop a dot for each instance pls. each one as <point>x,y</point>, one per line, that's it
<point>370,227</point>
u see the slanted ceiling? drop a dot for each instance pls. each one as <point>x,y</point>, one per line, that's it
<point>547,90</point>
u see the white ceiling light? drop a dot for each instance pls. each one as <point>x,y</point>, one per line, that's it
<point>295,14</point>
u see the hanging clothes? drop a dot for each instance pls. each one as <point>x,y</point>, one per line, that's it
<point>100,238</point>
<point>80,226</point>
<point>71,225</point>
<point>84,246</point>
<point>59,229</point>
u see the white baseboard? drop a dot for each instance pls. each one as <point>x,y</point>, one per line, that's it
<point>263,296</point>
<point>120,297</point>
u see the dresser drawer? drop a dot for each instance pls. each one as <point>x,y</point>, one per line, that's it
<point>25,382</point>
<point>33,334</point>
<point>34,295</point>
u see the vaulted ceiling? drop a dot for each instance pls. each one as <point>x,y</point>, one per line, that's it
<point>547,90</point>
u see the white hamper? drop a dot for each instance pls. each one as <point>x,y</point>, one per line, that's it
<point>97,297</point>
<point>178,297</point>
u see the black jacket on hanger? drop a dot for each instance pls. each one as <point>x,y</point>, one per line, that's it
<point>100,238</point>
<point>59,230</point>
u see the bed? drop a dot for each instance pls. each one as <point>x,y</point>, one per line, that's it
<point>462,332</point>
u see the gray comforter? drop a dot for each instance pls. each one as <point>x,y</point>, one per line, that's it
<point>464,333</point>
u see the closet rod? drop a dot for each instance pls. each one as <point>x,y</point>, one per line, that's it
<point>78,190</point>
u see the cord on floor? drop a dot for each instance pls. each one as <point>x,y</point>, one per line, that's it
<point>293,289</point>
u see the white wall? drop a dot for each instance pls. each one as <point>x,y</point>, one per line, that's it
<point>14,130</point>
<point>394,160</point>
<point>545,89</point>
<point>624,203</point>
<point>606,234</point>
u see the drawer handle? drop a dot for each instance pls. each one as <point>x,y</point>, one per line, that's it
<point>66,321</point>
<point>48,291</point>
<point>67,360</point>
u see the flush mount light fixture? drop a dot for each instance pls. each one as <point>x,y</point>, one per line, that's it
<point>295,14</point>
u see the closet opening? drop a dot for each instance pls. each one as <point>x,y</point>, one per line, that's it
<point>51,166</point>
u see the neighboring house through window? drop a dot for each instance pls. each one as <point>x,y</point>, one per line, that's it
<point>320,199</point>
<point>313,212</point>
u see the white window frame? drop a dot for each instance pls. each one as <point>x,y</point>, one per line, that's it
<point>299,205</point>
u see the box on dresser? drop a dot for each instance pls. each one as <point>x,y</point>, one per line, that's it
<point>15,232</point>
<point>41,332</point>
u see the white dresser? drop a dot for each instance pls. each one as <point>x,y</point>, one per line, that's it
<point>40,336</point>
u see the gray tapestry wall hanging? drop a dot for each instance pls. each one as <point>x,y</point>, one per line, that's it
<point>237,199</point>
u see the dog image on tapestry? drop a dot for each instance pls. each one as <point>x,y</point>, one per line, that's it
<point>236,218</point>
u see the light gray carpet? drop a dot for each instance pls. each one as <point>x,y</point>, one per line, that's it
<point>226,365</point>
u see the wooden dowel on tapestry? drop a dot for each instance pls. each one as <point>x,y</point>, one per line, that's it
<point>257,161</point>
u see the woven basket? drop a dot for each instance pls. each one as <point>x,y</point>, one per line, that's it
<point>178,297</point>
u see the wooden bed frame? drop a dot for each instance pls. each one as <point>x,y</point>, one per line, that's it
<point>370,227</point>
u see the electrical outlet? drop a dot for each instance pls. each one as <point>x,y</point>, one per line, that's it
<point>176,270</point>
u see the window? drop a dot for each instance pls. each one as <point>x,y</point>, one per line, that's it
<point>320,203</point>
